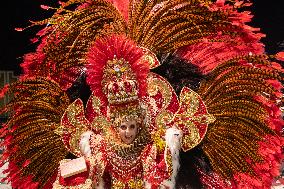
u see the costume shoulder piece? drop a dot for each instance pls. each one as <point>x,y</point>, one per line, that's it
<point>192,74</point>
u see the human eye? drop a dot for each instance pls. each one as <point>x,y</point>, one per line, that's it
<point>132,126</point>
<point>123,127</point>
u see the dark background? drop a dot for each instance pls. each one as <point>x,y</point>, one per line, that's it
<point>268,15</point>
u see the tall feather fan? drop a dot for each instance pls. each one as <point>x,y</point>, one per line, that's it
<point>33,149</point>
<point>243,96</point>
<point>61,54</point>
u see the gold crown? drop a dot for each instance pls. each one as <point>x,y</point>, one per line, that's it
<point>119,82</point>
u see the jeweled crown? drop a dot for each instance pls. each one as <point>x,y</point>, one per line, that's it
<point>119,82</point>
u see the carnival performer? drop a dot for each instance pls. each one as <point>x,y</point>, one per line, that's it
<point>120,147</point>
<point>145,94</point>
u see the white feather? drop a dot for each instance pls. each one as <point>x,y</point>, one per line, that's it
<point>147,185</point>
<point>85,143</point>
<point>173,142</point>
<point>101,185</point>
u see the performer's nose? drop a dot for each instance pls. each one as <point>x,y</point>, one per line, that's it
<point>127,131</point>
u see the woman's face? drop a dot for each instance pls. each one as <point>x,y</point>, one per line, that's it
<point>128,131</point>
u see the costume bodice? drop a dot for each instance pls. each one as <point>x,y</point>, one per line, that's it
<point>125,171</point>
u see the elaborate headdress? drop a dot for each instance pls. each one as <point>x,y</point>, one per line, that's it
<point>117,72</point>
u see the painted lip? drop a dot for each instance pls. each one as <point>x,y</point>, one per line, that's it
<point>128,137</point>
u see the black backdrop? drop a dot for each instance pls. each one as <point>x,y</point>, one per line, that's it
<point>269,16</point>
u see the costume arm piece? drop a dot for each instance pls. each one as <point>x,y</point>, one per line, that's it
<point>80,138</point>
<point>192,118</point>
<point>188,119</point>
<point>160,169</point>
<point>154,167</point>
<point>97,159</point>
<point>73,124</point>
<point>84,172</point>
<point>188,114</point>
